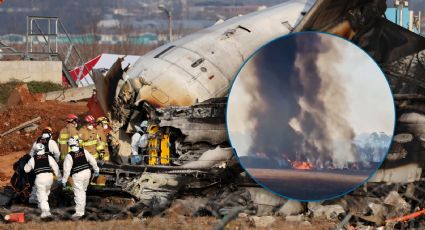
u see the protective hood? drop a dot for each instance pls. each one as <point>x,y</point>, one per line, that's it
<point>75,148</point>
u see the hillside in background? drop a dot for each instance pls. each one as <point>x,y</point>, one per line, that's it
<point>372,147</point>
<point>130,13</point>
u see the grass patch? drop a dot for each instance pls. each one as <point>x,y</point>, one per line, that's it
<point>33,86</point>
<point>43,86</point>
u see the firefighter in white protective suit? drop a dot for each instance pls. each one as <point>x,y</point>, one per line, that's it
<point>139,143</point>
<point>50,147</point>
<point>43,165</point>
<point>77,164</point>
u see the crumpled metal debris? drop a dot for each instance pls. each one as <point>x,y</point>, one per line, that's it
<point>291,207</point>
<point>330,212</point>
<point>395,200</point>
<point>155,190</point>
<point>227,199</point>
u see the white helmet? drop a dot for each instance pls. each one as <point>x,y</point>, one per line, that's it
<point>38,147</point>
<point>73,142</point>
<point>144,124</point>
<point>142,127</point>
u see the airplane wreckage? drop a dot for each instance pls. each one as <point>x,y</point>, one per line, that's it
<point>181,89</point>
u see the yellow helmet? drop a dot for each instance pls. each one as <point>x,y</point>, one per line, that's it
<point>100,148</point>
<point>103,120</point>
<point>47,129</point>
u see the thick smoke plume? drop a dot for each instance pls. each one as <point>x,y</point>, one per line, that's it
<point>301,107</point>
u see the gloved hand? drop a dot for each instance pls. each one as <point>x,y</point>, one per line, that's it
<point>96,174</point>
<point>135,159</point>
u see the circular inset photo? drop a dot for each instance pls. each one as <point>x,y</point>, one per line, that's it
<point>310,116</point>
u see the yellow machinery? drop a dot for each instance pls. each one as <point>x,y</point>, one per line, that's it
<point>158,146</point>
<point>165,149</point>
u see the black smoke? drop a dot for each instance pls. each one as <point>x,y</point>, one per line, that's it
<point>288,73</point>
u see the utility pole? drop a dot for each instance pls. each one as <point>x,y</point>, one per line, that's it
<point>170,21</point>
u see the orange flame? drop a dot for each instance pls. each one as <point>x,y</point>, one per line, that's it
<point>302,165</point>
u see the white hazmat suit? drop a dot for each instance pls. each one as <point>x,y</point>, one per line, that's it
<point>138,141</point>
<point>43,181</point>
<point>53,148</point>
<point>80,179</point>
<point>140,138</point>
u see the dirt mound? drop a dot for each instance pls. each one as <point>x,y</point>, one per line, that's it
<point>6,172</point>
<point>52,114</point>
<point>22,95</point>
<point>3,179</point>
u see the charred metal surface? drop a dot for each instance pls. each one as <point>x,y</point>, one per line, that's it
<point>408,73</point>
<point>106,85</point>
<point>122,106</point>
<point>326,14</point>
<point>387,42</point>
<point>203,122</point>
<point>139,169</point>
<point>157,186</point>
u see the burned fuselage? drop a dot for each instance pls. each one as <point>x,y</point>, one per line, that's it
<point>181,87</point>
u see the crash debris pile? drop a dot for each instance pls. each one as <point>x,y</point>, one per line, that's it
<point>391,205</point>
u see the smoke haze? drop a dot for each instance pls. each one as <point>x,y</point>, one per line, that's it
<point>300,108</point>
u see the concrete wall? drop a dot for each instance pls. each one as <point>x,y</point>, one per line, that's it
<point>73,94</point>
<point>31,71</point>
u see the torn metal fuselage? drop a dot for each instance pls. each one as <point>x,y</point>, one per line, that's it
<point>197,68</point>
<point>203,65</point>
